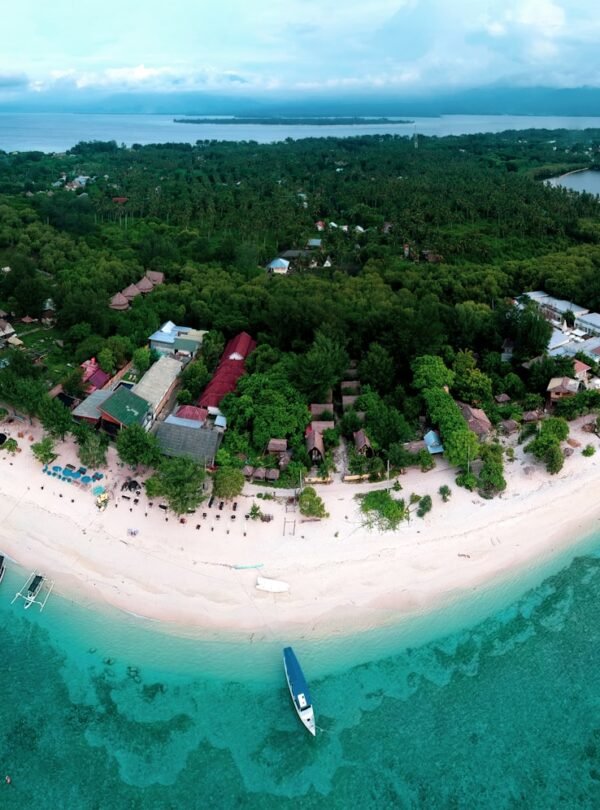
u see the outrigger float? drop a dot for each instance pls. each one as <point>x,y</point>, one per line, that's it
<point>35,585</point>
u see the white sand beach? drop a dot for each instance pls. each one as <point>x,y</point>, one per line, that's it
<point>342,576</point>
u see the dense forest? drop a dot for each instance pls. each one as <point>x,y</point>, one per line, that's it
<point>442,234</point>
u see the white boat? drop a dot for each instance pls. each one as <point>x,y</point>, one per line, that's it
<point>299,690</point>
<point>35,585</point>
<point>271,585</point>
<point>2,567</point>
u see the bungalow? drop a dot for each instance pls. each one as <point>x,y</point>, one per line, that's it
<point>118,302</point>
<point>277,446</point>
<point>192,412</point>
<point>562,388</point>
<point>362,443</point>
<point>279,266</point>
<point>314,446</point>
<point>123,409</point>
<point>502,399</point>
<point>93,377</point>
<point>314,244</point>
<point>476,419</point>
<point>6,331</point>
<point>348,401</point>
<point>321,425</point>
<point>320,225</point>
<point>144,285</point>
<point>433,443</point>
<point>582,371</point>
<point>531,416</point>
<point>509,426</point>
<point>155,276</point>
<point>48,312</point>
<point>131,292</point>
<point>318,409</point>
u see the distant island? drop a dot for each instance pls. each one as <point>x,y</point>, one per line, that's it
<point>316,121</point>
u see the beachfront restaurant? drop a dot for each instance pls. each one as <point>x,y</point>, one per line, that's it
<point>123,409</point>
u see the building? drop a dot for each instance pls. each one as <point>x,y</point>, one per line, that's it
<point>555,309</point>
<point>192,412</point>
<point>562,388</point>
<point>92,375</point>
<point>279,266</point>
<point>155,276</point>
<point>314,244</point>
<point>277,446</point>
<point>589,322</point>
<point>6,331</point>
<point>318,409</point>
<point>582,371</point>
<point>171,338</point>
<point>123,409</point>
<point>89,409</point>
<point>433,443</point>
<point>476,419</point>
<point>131,292</point>
<point>118,302</point>
<point>231,367</point>
<point>362,443</point>
<point>348,401</point>
<point>314,446</point>
<point>187,438</point>
<point>48,312</point>
<point>158,383</point>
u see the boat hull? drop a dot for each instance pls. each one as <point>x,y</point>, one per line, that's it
<point>299,691</point>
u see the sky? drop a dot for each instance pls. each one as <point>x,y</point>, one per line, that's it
<point>269,47</point>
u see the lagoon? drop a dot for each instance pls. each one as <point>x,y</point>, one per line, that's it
<point>586,180</point>
<point>56,132</point>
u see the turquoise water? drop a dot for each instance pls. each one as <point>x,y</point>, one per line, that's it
<point>97,711</point>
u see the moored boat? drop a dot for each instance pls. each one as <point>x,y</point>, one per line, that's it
<point>271,585</point>
<point>2,567</point>
<point>299,690</point>
<point>35,585</point>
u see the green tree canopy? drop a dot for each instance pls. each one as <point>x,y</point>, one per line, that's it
<point>228,482</point>
<point>430,371</point>
<point>179,481</point>
<point>136,446</point>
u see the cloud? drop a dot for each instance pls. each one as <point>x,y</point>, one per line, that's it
<point>13,81</point>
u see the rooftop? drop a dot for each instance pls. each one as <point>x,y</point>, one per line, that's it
<point>200,444</point>
<point>89,408</point>
<point>157,381</point>
<point>125,407</point>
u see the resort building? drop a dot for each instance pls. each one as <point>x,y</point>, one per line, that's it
<point>158,383</point>
<point>6,331</point>
<point>315,446</point>
<point>231,367</point>
<point>589,322</point>
<point>171,339</point>
<point>476,419</point>
<point>555,309</point>
<point>123,409</point>
<point>562,388</point>
<point>279,266</point>
<point>89,409</point>
<point>188,438</point>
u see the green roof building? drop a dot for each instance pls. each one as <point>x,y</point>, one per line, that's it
<point>125,408</point>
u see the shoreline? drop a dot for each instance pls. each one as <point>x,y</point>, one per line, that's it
<point>343,578</point>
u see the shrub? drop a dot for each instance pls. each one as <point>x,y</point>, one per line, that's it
<point>426,460</point>
<point>382,510</point>
<point>425,505</point>
<point>588,450</point>
<point>311,505</point>
<point>467,480</point>
<point>445,492</point>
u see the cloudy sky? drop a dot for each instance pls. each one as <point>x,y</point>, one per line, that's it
<point>274,46</point>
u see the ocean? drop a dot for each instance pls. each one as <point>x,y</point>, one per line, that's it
<point>56,132</point>
<point>460,708</point>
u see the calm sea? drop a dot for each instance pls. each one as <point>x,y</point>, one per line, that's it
<point>451,710</point>
<point>55,132</point>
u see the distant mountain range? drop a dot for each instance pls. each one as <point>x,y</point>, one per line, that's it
<point>580,101</point>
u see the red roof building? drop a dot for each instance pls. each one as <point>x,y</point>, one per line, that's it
<point>229,370</point>
<point>192,412</point>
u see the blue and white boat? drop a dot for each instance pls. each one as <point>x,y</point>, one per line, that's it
<point>299,690</point>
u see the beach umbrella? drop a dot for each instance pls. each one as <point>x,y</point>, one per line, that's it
<point>99,476</point>
<point>86,479</point>
<point>98,490</point>
<point>76,474</point>
<point>57,468</point>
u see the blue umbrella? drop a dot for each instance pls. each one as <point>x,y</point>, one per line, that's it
<point>76,474</point>
<point>57,468</point>
<point>99,476</point>
<point>98,490</point>
<point>86,479</point>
